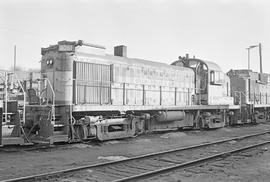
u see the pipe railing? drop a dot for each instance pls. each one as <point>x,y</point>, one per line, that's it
<point>24,95</point>
<point>254,99</point>
<point>4,78</point>
<point>53,100</point>
<point>107,88</point>
<point>6,97</point>
<point>6,74</point>
<point>239,95</point>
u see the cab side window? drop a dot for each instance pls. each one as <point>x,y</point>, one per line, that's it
<point>216,77</point>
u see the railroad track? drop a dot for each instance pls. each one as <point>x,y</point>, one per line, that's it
<point>140,167</point>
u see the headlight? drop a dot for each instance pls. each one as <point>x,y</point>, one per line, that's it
<point>49,62</point>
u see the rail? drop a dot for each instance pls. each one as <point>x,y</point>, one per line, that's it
<point>24,95</point>
<point>237,94</point>
<point>238,145</point>
<point>5,75</point>
<point>254,98</point>
<point>103,93</point>
<point>6,96</point>
<point>1,114</point>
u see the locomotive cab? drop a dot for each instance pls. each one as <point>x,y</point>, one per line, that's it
<point>201,77</point>
<point>212,86</point>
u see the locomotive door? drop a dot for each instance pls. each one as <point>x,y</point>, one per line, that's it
<point>201,81</point>
<point>91,83</point>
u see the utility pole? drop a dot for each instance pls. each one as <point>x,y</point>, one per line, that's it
<point>6,96</point>
<point>260,53</point>
<point>248,58</point>
<point>248,49</point>
<point>14,68</point>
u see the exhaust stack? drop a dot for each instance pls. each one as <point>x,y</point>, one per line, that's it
<point>120,50</point>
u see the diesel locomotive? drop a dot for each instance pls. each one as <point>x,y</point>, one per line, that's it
<point>84,93</point>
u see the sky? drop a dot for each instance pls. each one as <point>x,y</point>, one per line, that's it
<point>156,30</point>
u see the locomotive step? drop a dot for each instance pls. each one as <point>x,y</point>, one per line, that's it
<point>59,125</point>
<point>58,138</point>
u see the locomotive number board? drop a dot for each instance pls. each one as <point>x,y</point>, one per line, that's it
<point>63,48</point>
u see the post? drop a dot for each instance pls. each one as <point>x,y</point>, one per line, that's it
<point>14,68</point>
<point>248,59</point>
<point>1,117</point>
<point>30,80</point>
<point>71,122</point>
<point>24,97</point>
<point>249,93</point>
<point>175,96</point>
<point>75,98</point>
<point>53,93</point>
<point>6,96</point>
<point>124,93</point>
<point>260,53</point>
<point>188,97</point>
<point>110,93</point>
<point>143,95</point>
<point>240,99</point>
<point>100,93</point>
<point>84,91</point>
<point>251,47</point>
<point>160,95</point>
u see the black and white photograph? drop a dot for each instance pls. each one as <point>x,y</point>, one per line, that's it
<point>134,90</point>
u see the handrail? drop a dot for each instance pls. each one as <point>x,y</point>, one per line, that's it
<point>187,94</point>
<point>4,75</point>
<point>24,96</point>
<point>254,99</point>
<point>240,98</point>
<point>245,95</point>
<point>6,96</point>
<point>6,93</point>
<point>53,104</point>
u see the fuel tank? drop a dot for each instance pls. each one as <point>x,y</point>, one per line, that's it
<point>167,116</point>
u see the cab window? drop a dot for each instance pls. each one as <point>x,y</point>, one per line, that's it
<point>216,77</point>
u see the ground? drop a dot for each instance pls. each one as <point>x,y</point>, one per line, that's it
<point>246,167</point>
<point>249,166</point>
